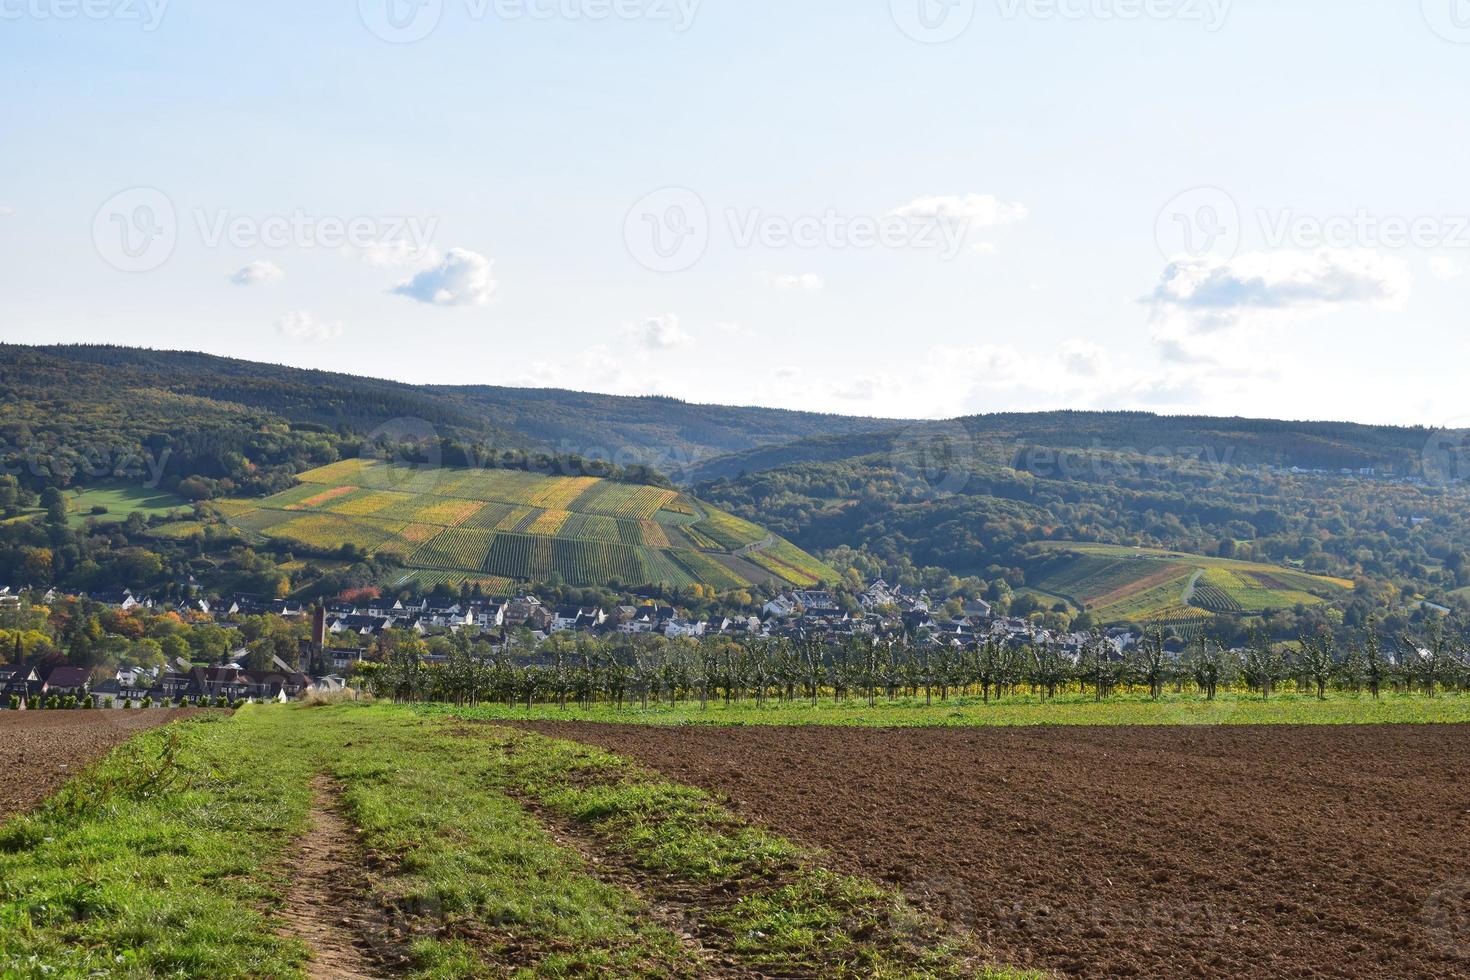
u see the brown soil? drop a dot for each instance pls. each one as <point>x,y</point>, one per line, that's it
<point>40,750</point>
<point>1292,852</point>
<point>327,906</point>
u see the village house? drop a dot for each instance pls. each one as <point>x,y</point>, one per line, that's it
<point>520,610</point>
<point>19,681</point>
<point>490,615</point>
<point>575,618</point>
<point>66,682</point>
<point>684,627</point>
<point>781,607</point>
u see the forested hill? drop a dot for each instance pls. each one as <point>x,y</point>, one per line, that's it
<point>68,395</point>
<point>74,395</point>
<point>1022,440</point>
<point>78,380</point>
<point>676,435</point>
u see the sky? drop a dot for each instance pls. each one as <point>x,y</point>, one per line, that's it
<point>899,208</point>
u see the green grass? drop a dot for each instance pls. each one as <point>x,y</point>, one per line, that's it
<point>169,857</point>
<point>119,876</point>
<point>787,914</point>
<point>1017,711</point>
<point>121,501</point>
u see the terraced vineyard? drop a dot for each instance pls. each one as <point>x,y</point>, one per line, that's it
<point>502,526</point>
<point>1120,584</point>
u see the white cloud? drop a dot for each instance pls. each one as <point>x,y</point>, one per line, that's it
<point>1076,373</point>
<point>867,387</point>
<point>1446,268</point>
<point>398,254</point>
<point>258,274</point>
<point>992,361</point>
<point>1085,358</point>
<point>806,282</point>
<point>302,326</point>
<point>658,333</point>
<point>1175,350</point>
<point>1269,287</point>
<point>976,210</point>
<point>6,211</point>
<point>463,278</point>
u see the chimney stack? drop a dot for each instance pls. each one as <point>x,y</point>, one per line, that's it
<point>319,628</point>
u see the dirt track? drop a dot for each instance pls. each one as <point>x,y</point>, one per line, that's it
<point>326,905</point>
<point>40,750</point>
<point>1278,852</point>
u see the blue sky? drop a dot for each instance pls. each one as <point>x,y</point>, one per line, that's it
<point>1243,207</point>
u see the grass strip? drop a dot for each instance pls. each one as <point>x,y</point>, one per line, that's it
<point>765,900</point>
<point>479,888</point>
<point>1014,711</point>
<point>154,862</point>
<point>172,855</point>
<point>169,856</point>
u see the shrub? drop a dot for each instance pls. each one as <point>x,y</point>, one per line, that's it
<point>147,700</point>
<point>107,702</point>
<point>69,703</point>
<point>53,703</point>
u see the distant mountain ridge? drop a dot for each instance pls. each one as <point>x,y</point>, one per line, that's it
<point>1010,439</point>
<point>980,496</point>
<point>126,383</point>
<point>695,443</point>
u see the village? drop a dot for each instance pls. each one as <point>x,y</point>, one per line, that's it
<point>343,637</point>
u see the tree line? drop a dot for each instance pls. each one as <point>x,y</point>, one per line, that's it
<point>643,670</point>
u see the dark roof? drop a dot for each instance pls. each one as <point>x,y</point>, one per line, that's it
<point>217,675</point>
<point>68,677</point>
